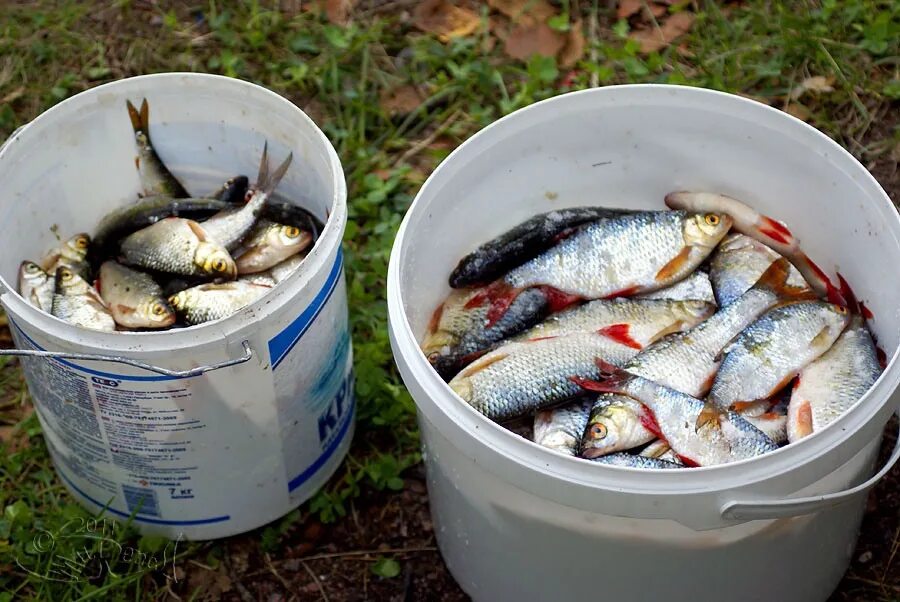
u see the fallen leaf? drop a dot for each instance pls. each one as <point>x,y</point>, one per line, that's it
<point>401,100</point>
<point>209,583</point>
<point>799,111</point>
<point>658,10</point>
<point>13,95</point>
<point>338,11</point>
<point>816,83</point>
<point>628,8</point>
<point>527,40</point>
<point>573,51</point>
<point>445,20</point>
<point>531,11</point>
<point>655,39</point>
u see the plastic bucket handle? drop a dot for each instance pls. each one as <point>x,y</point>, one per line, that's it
<point>771,509</point>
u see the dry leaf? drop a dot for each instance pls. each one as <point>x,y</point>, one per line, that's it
<point>401,100</point>
<point>628,8</point>
<point>338,11</point>
<point>526,40</point>
<point>799,111</point>
<point>531,11</point>
<point>445,20</point>
<point>13,95</point>
<point>655,39</point>
<point>573,51</point>
<point>816,83</point>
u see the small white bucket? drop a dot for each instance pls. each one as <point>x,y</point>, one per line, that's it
<point>233,423</point>
<point>519,522</point>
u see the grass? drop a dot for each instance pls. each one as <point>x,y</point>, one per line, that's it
<point>340,75</point>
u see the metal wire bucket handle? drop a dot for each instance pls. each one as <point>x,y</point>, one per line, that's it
<point>248,354</point>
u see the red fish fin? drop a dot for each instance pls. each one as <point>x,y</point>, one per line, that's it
<point>625,292</point>
<point>818,278</point>
<point>796,383</point>
<point>770,416</point>
<point>804,424</point>
<point>478,299</point>
<point>882,357</point>
<point>500,304</point>
<point>775,279</point>
<point>775,230</point>
<point>435,319</point>
<point>145,116</point>
<point>741,406</point>
<point>558,300</point>
<point>198,230</point>
<point>613,379</point>
<point>620,333</point>
<point>865,311</point>
<point>668,271</point>
<point>688,462</point>
<point>649,422</point>
<point>137,162</point>
<point>849,295</point>
<point>482,364</point>
<point>593,385</point>
<point>710,415</point>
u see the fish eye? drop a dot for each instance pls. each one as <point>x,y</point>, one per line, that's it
<point>598,431</point>
<point>67,275</point>
<point>292,231</point>
<point>159,310</point>
<point>841,310</point>
<point>219,265</point>
<point>81,242</point>
<point>32,267</point>
<point>712,219</point>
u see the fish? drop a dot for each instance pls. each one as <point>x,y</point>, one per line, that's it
<point>660,450</point>
<point>134,298</point>
<point>616,257</point>
<point>763,228</point>
<point>673,417</point>
<point>281,210</point>
<point>773,424</point>
<point>695,287</point>
<point>688,361</point>
<point>522,243</point>
<point>232,191</point>
<point>155,176</point>
<point>521,378</point>
<point>268,244</point>
<point>178,246</point>
<point>208,302</point>
<point>767,355</point>
<point>616,423</point>
<point>561,428</point>
<point>72,254</point>
<point>633,322</point>
<point>632,461</point>
<point>738,262</point>
<point>75,301</point>
<point>146,211</point>
<point>276,274</point>
<point>458,333</point>
<point>230,226</point>
<point>36,286</point>
<point>828,386</point>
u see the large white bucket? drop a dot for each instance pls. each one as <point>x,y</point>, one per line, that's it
<point>519,522</point>
<point>198,455</point>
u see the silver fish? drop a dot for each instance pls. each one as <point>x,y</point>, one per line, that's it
<point>632,461</point>
<point>276,274</point>
<point>134,298</point>
<point>72,254</point>
<point>624,255</point>
<point>155,176</point>
<point>268,244</point>
<point>737,264</point>
<point>772,424</point>
<point>231,226</point>
<point>520,378</point>
<point>209,302</point>
<point>771,351</point>
<point>660,450</point>
<point>675,415</point>
<point>695,287</point>
<point>36,286</point>
<point>831,384</point>
<point>561,428</point>
<point>178,246</point>
<point>75,301</point>
<point>616,423</point>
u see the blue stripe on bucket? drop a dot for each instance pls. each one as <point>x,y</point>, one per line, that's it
<point>329,451</point>
<point>153,521</point>
<point>282,343</point>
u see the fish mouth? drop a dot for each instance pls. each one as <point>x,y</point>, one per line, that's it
<point>590,452</point>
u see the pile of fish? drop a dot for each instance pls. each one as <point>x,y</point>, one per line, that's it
<point>653,339</point>
<point>167,259</point>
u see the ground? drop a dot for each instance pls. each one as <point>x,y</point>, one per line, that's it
<point>396,85</point>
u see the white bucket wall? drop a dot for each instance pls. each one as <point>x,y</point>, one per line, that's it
<point>514,520</point>
<point>233,449</point>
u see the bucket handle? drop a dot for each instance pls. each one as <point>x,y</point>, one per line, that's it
<point>248,354</point>
<point>770,509</point>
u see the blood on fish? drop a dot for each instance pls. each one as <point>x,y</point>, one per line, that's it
<point>558,300</point>
<point>620,334</point>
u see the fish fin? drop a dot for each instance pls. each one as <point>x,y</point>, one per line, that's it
<point>882,357</point>
<point>852,302</point>
<point>134,115</point>
<point>501,296</point>
<point>818,278</point>
<point>273,180</point>
<point>821,339</point>
<point>263,175</point>
<point>775,279</point>
<point>865,311</point>
<point>482,363</point>
<point>145,116</point>
<point>558,300</point>
<point>435,320</point>
<point>546,338</point>
<point>670,329</point>
<point>198,230</point>
<point>775,230</point>
<point>804,426</point>
<point>620,334</point>
<point>625,292</point>
<point>124,309</point>
<point>674,266</point>
<point>710,415</point>
<point>613,378</point>
<point>648,420</point>
<point>779,386</point>
<point>743,406</point>
<point>478,299</point>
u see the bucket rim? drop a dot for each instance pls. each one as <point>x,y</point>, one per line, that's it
<point>133,343</point>
<point>439,401</point>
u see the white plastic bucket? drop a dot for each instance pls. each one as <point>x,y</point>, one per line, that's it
<point>519,522</point>
<point>200,456</point>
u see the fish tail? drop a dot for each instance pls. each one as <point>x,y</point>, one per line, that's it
<point>612,379</point>
<point>263,166</point>
<point>272,181</point>
<point>710,415</point>
<point>135,116</point>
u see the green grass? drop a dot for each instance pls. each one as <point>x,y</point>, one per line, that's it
<point>51,50</point>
